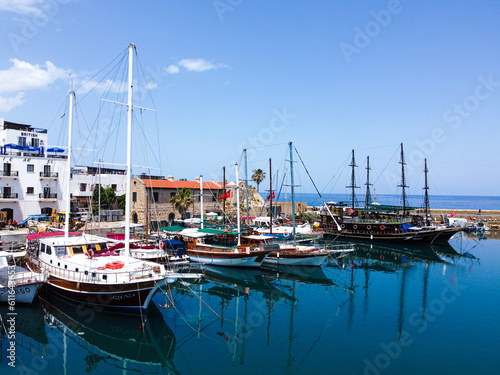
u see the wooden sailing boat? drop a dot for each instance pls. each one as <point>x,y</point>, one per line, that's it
<point>384,223</point>
<point>80,266</point>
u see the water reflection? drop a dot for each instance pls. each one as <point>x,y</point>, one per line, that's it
<point>290,318</point>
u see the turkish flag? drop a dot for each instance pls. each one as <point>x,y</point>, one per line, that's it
<point>453,214</point>
<point>227,195</point>
<point>271,196</point>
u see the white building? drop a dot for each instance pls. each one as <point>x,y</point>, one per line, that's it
<point>34,179</point>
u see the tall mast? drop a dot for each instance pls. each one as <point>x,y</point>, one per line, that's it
<point>201,200</point>
<point>368,197</point>
<point>270,198</point>
<point>68,193</point>
<point>238,205</point>
<point>426,196</point>
<point>128,200</point>
<point>353,181</point>
<point>403,181</point>
<point>224,192</point>
<point>246,185</point>
<point>292,191</point>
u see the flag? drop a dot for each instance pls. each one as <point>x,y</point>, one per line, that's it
<point>453,214</point>
<point>271,196</point>
<point>63,115</point>
<point>470,218</point>
<point>227,195</point>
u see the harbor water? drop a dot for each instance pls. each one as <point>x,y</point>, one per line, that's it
<point>384,310</point>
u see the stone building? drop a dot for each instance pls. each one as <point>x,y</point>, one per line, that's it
<point>161,190</point>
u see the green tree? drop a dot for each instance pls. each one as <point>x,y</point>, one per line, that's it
<point>182,200</point>
<point>107,199</point>
<point>258,176</point>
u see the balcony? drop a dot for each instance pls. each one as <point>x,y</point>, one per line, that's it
<point>47,196</point>
<point>9,197</point>
<point>11,174</point>
<point>49,175</point>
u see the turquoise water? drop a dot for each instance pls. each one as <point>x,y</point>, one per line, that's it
<point>450,202</point>
<point>383,311</point>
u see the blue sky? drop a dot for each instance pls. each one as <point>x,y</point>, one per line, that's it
<point>229,74</point>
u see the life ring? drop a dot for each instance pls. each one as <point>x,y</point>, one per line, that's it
<point>211,220</point>
<point>162,245</point>
<point>90,253</point>
<point>342,225</point>
<point>319,230</point>
<point>286,235</point>
<point>191,225</point>
<point>382,227</point>
<point>368,227</point>
<point>355,226</point>
<point>382,257</point>
<point>227,228</point>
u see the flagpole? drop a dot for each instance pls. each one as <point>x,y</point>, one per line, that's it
<point>238,205</point>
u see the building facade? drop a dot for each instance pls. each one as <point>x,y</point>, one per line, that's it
<point>151,199</point>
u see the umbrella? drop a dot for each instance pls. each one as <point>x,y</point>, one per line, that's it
<point>55,149</point>
<point>13,145</point>
<point>30,148</point>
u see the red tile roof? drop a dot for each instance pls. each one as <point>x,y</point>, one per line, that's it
<point>167,184</point>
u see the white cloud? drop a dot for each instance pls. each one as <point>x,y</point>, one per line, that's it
<point>26,7</point>
<point>198,65</point>
<point>172,69</point>
<point>25,76</point>
<point>6,104</point>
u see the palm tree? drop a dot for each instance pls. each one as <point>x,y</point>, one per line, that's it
<point>182,200</point>
<point>258,176</point>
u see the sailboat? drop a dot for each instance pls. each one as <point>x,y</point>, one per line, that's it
<point>384,223</point>
<point>223,247</point>
<point>293,254</point>
<point>82,269</point>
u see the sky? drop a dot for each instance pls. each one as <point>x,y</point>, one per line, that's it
<point>228,75</point>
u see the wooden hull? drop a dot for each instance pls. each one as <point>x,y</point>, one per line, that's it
<point>424,237</point>
<point>122,297</point>
<point>226,258</point>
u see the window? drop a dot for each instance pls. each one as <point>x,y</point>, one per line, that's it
<point>21,141</point>
<point>35,142</point>
<point>60,251</point>
<point>113,186</point>
<point>30,168</point>
<point>30,190</point>
<point>172,195</point>
<point>83,187</point>
<point>155,197</point>
<point>134,196</point>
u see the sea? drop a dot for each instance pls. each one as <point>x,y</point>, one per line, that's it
<point>448,202</point>
<point>384,309</point>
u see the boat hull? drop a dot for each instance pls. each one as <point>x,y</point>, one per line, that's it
<point>231,259</point>
<point>294,259</point>
<point>24,293</point>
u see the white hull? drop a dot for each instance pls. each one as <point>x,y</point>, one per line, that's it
<point>234,262</point>
<point>25,293</point>
<point>315,260</point>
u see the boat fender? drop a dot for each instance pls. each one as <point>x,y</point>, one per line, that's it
<point>382,227</point>
<point>355,226</point>
<point>342,225</point>
<point>162,245</point>
<point>90,253</point>
<point>382,257</point>
<point>368,227</point>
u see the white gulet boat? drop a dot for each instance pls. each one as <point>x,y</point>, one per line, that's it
<point>81,270</point>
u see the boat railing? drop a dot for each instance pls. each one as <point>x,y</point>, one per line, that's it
<point>97,276</point>
<point>28,277</point>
